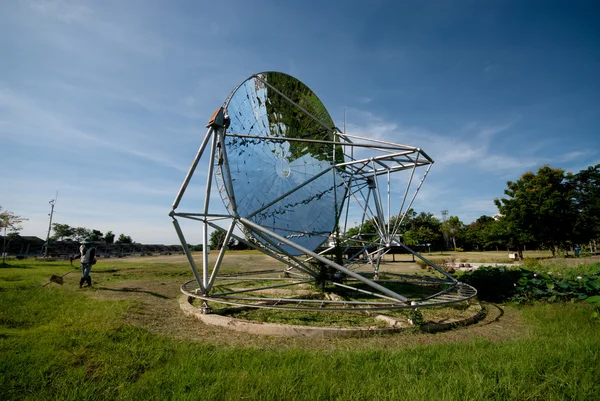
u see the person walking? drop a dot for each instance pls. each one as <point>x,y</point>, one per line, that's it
<point>88,258</point>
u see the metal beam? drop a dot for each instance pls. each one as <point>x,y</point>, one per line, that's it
<point>326,261</point>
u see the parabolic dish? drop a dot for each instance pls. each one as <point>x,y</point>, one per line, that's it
<point>276,171</point>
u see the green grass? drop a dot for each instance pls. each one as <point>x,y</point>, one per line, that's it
<point>59,342</point>
<point>485,257</point>
<point>302,318</point>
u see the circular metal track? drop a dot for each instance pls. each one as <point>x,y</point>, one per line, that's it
<point>454,292</point>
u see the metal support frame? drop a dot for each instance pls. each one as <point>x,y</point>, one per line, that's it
<point>375,203</point>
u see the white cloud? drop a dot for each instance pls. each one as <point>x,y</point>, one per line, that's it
<point>507,165</point>
<point>68,11</point>
<point>473,147</point>
<point>364,99</point>
<point>93,30</point>
<point>576,155</point>
<point>35,125</point>
<point>469,169</point>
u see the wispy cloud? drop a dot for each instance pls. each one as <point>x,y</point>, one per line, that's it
<point>473,147</point>
<point>35,125</point>
<point>34,122</point>
<point>364,99</point>
<point>490,67</point>
<point>93,27</point>
<point>576,155</point>
<point>68,11</point>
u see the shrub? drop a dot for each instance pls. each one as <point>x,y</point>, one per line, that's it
<point>532,264</point>
<point>543,286</point>
<point>498,284</point>
<point>437,261</point>
<point>494,284</point>
<point>416,317</point>
<point>595,301</point>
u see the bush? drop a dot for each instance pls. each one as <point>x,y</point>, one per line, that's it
<point>543,286</point>
<point>446,264</point>
<point>494,284</point>
<point>416,317</point>
<point>595,301</point>
<point>498,284</point>
<point>532,264</point>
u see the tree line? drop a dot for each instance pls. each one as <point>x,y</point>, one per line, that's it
<point>64,232</point>
<point>10,225</point>
<point>548,209</point>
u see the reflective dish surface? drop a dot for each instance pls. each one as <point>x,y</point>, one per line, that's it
<point>275,169</point>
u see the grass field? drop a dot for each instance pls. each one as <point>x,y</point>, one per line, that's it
<point>125,338</point>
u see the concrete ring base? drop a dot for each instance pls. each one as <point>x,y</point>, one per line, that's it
<point>395,325</point>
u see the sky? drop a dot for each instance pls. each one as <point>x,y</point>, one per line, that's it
<point>106,102</point>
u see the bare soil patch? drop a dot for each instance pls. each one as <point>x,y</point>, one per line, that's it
<point>155,307</point>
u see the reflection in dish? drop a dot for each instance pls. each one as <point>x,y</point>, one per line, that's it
<point>273,180</point>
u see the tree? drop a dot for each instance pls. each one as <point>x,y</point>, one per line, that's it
<point>497,234</point>
<point>453,228</point>
<point>96,235</point>
<point>62,231</point>
<point>81,233</point>
<point>478,233</point>
<point>586,202</point>
<point>365,230</point>
<point>423,229</point>
<point>109,237</point>
<point>10,223</point>
<point>217,238</point>
<point>407,222</point>
<point>538,207</point>
<point>124,239</point>
<point>426,235</point>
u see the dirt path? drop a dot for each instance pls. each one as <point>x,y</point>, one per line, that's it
<point>155,307</point>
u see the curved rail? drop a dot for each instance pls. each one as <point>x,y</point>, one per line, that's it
<point>455,293</point>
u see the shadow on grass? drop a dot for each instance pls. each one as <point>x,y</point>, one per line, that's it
<point>19,266</point>
<point>137,290</point>
<point>499,311</point>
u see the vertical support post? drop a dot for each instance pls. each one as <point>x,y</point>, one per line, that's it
<point>389,218</point>
<point>188,254</point>
<point>220,257</point>
<point>211,166</point>
<point>347,200</point>
<point>52,203</point>
<point>381,224</point>
<point>204,253</point>
<point>226,173</point>
<point>412,174</point>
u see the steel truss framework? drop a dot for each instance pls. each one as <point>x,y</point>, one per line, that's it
<point>367,185</point>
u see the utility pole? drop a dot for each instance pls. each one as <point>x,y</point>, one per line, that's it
<point>444,218</point>
<point>52,203</point>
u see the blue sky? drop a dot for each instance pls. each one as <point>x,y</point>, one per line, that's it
<point>106,102</point>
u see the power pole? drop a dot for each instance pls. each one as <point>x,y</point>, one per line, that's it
<point>444,218</point>
<point>52,203</point>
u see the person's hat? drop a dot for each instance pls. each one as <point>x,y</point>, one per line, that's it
<point>87,241</point>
